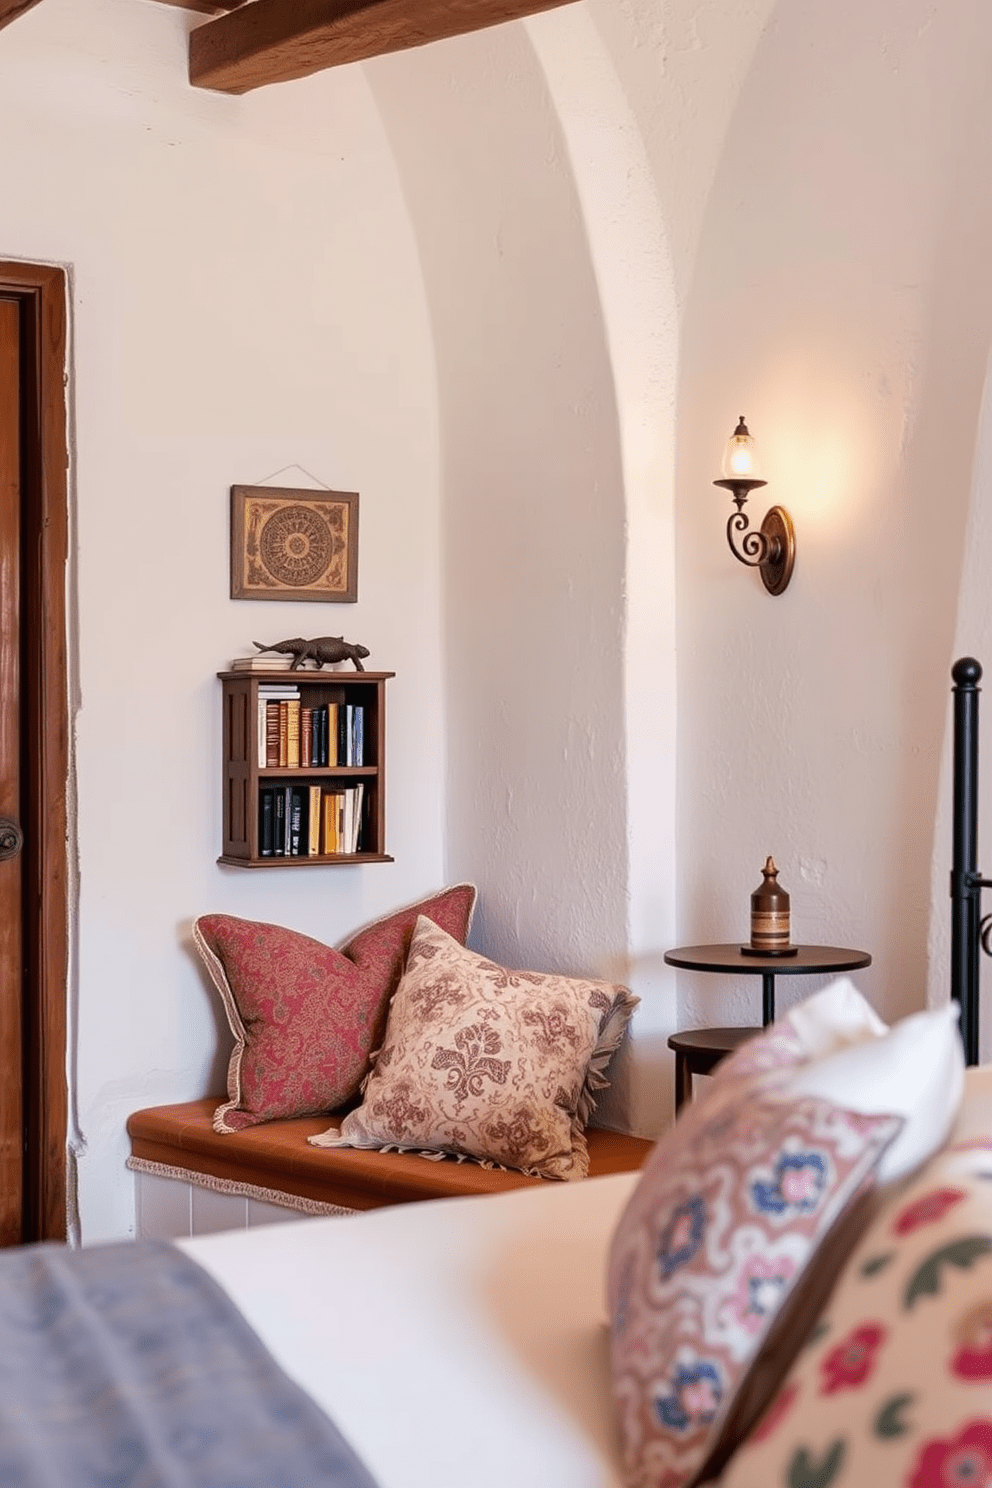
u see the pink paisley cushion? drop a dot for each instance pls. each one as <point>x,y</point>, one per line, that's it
<point>488,1063</point>
<point>306,1017</point>
<point>895,1382</point>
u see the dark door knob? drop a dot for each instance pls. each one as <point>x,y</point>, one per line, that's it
<point>11,838</point>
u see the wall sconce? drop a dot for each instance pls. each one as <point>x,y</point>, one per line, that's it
<point>772,549</point>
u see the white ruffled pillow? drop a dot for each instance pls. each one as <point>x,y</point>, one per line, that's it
<point>914,1069</point>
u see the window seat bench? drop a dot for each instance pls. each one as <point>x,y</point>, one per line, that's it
<point>271,1167</point>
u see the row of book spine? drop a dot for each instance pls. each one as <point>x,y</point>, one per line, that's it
<point>309,821</point>
<point>292,735</point>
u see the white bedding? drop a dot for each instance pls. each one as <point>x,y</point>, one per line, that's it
<point>456,1344</point>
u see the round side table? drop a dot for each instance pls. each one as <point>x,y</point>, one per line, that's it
<point>699,1050</point>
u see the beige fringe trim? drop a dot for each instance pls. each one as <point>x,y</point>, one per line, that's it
<point>333,1138</point>
<point>610,1038</point>
<point>237,1190</point>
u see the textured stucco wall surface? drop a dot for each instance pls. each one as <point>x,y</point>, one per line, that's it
<point>246,300</point>
<point>841,300</point>
<point>556,205</point>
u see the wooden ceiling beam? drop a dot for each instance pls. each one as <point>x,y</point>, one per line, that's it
<point>11,9</point>
<point>273,41</point>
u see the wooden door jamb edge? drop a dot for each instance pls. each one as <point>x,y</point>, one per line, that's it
<point>43,292</point>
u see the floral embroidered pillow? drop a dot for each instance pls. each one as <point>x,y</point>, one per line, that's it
<point>895,1383</point>
<point>729,1211</point>
<point>488,1063</point>
<point>305,1017</point>
<point>736,1201</point>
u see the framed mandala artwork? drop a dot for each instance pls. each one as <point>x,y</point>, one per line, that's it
<point>294,544</point>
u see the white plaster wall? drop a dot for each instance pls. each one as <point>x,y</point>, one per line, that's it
<point>252,258</point>
<point>532,501</point>
<point>841,299</point>
<point>630,258</point>
<point>556,207</point>
<point>643,94</point>
<point>246,298</point>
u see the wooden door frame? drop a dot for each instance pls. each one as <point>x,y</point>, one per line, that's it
<point>41,293</point>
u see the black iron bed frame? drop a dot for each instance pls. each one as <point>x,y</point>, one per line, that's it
<point>970,933</point>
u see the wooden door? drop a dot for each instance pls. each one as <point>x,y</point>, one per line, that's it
<point>11,917</point>
<point>34,754</point>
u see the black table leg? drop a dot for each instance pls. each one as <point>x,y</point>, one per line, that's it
<point>767,997</point>
<point>683,1081</point>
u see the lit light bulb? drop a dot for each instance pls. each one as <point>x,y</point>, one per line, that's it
<point>740,460</point>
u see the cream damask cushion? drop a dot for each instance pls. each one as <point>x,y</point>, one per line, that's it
<point>492,1064</point>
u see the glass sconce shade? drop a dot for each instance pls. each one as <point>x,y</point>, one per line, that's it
<point>740,459</point>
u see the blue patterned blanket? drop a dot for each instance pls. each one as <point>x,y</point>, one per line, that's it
<point>127,1366</point>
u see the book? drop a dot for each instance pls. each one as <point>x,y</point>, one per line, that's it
<point>303,791</point>
<point>279,823</point>
<point>358,735</point>
<point>267,695</point>
<point>306,737</point>
<point>350,818</point>
<point>331,803</point>
<point>261,662</point>
<point>315,736</point>
<point>293,733</point>
<point>331,732</point>
<point>271,752</point>
<point>295,808</point>
<point>347,811</point>
<point>286,791</point>
<point>266,824</point>
<point>283,733</point>
<point>356,821</point>
<point>313,821</point>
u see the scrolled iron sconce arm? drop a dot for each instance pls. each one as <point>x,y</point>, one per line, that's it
<point>771,548</point>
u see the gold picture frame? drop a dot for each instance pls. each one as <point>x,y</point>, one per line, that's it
<point>294,545</point>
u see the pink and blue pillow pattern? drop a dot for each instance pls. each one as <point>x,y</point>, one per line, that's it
<point>738,1198</point>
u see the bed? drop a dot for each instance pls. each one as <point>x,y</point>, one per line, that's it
<point>465,1341</point>
<point>456,1342</point>
<point>462,1342</point>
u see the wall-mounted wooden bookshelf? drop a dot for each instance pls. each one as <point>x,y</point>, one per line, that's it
<point>339,762</point>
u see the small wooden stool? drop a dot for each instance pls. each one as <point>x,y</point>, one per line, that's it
<point>698,1051</point>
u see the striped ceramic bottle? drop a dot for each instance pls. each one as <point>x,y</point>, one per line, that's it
<point>770,917</point>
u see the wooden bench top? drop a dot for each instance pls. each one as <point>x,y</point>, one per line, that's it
<point>278,1156</point>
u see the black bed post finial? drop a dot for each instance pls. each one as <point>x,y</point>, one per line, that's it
<point>965,880</point>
